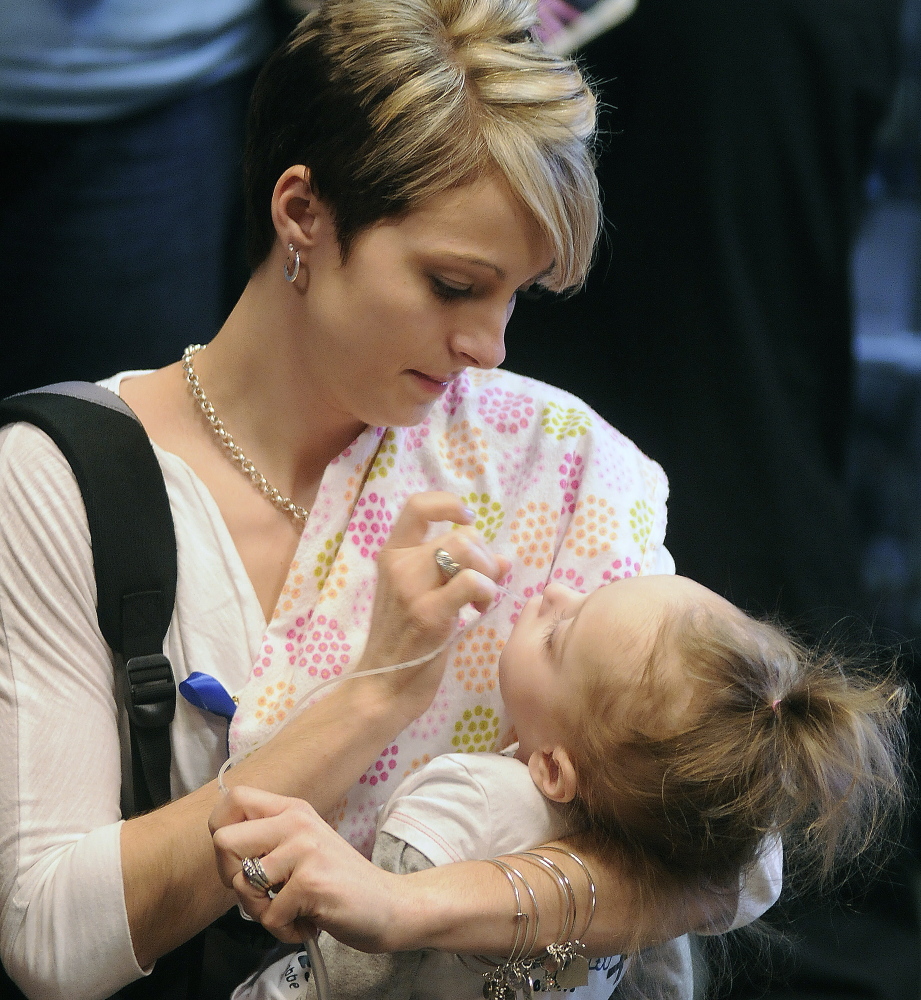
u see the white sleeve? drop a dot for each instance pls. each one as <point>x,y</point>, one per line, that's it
<point>760,884</point>
<point>63,926</point>
<point>465,807</point>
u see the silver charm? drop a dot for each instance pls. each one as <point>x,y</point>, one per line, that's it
<point>573,974</point>
<point>495,988</point>
<point>536,981</point>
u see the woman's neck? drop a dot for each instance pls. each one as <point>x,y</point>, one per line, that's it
<point>256,375</point>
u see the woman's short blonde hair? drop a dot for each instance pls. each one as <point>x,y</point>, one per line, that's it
<point>391,102</point>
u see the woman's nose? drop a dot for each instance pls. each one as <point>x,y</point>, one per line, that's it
<point>482,342</point>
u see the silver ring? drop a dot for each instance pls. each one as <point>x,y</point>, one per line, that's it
<point>446,564</point>
<point>255,874</point>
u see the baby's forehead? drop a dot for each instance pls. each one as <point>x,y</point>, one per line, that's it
<point>619,626</point>
<point>645,601</point>
<point>635,627</point>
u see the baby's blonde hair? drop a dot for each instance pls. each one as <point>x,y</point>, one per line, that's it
<point>391,102</point>
<point>777,739</point>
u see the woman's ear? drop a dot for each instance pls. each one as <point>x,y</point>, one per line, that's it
<point>295,208</point>
<point>553,773</point>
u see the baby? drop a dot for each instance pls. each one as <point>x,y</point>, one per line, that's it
<point>685,734</point>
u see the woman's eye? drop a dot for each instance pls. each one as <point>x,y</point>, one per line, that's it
<point>447,291</point>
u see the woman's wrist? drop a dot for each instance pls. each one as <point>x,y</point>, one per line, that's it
<point>321,752</point>
<point>470,908</point>
<point>384,703</point>
<point>464,907</point>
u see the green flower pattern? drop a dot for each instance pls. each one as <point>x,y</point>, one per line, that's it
<point>386,457</point>
<point>561,423</point>
<point>477,731</point>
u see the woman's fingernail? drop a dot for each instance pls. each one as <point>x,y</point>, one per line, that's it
<point>470,513</point>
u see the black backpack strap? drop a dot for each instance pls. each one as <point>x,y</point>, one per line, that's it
<point>134,555</point>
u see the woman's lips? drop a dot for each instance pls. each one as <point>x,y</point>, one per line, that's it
<point>430,384</point>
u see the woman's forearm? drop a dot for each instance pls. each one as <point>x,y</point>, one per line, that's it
<point>172,889</point>
<point>323,752</point>
<point>171,883</point>
<point>470,907</point>
<point>466,907</point>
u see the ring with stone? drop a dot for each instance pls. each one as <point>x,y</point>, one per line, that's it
<point>450,567</point>
<point>255,874</point>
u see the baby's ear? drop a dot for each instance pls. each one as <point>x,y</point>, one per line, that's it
<point>553,773</point>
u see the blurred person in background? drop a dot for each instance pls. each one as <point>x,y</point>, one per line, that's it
<point>121,124</point>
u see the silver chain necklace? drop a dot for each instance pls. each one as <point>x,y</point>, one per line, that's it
<point>234,453</point>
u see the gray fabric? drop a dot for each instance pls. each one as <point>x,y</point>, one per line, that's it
<point>391,976</point>
<point>352,973</point>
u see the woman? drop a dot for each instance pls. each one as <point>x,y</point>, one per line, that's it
<point>411,166</point>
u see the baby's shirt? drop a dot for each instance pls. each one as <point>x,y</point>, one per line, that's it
<point>459,807</point>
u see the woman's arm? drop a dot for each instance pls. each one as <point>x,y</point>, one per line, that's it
<point>170,882</point>
<point>63,849</point>
<point>466,907</point>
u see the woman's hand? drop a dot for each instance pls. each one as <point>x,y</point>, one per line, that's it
<point>416,607</point>
<point>322,881</point>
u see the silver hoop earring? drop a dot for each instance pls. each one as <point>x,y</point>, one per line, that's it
<point>292,275</point>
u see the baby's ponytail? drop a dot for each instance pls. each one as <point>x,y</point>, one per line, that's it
<point>776,740</point>
<point>839,742</point>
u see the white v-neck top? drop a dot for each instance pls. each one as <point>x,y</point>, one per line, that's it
<point>63,925</point>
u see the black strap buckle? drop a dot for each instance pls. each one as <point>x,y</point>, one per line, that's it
<point>151,692</point>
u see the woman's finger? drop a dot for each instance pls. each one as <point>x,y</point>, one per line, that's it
<point>421,510</point>
<point>257,836</point>
<point>330,885</point>
<point>312,871</point>
<point>244,803</point>
<point>469,586</point>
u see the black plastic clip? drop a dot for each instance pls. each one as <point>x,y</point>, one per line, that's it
<point>151,691</point>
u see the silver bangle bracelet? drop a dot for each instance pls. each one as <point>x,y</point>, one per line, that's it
<point>588,878</point>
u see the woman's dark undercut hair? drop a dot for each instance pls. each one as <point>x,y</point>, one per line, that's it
<point>391,102</point>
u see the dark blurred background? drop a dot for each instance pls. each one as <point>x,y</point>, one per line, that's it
<point>886,448</point>
<point>753,321</point>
